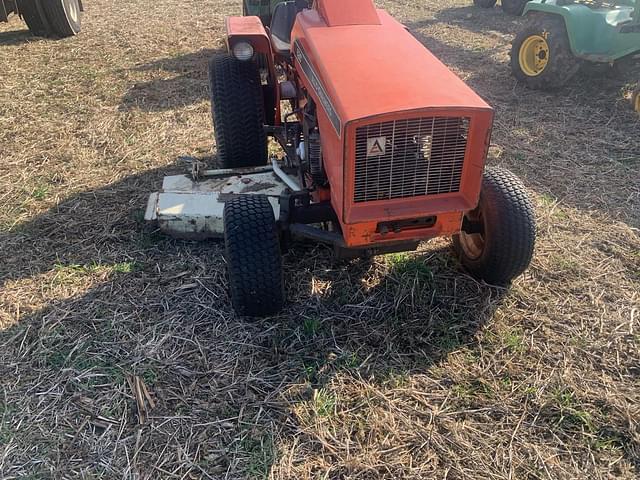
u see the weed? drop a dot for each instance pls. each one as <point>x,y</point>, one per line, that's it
<point>311,326</point>
<point>262,454</point>
<point>324,402</point>
<point>404,264</point>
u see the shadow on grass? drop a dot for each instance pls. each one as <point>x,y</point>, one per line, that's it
<point>17,37</point>
<point>122,301</point>
<point>187,85</point>
<point>123,304</point>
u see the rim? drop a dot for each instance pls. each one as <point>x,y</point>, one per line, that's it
<point>473,243</point>
<point>73,10</point>
<point>534,55</point>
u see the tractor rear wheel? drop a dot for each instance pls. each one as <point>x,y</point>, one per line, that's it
<point>237,109</point>
<point>254,260</point>
<point>514,7</point>
<point>635,99</point>
<point>541,55</point>
<point>64,16</point>
<point>484,3</point>
<point>501,244</point>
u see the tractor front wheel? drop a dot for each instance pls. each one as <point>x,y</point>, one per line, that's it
<point>541,55</point>
<point>484,3</point>
<point>502,230</point>
<point>253,256</point>
<point>237,108</point>
<point>514,7</point>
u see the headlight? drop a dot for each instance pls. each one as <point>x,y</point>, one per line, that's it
<point>243,51</point>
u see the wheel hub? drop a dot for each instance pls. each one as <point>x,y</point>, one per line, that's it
<point>534,55</point>
<point>473,243</point>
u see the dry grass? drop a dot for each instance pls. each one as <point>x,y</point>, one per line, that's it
<point>120,356</point>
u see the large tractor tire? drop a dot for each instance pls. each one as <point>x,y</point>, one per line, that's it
<point>541,55</point>
<point>502,244</point>
<point>237,109</point>
<point>635,99</point>
<point>46,18</point>
<point>514,7</point>
<point>484,3</point>
<point>64,16</point>
<point>32,14</point>
<point>254,260</point>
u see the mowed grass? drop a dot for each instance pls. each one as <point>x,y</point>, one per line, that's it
<point>120,356</point>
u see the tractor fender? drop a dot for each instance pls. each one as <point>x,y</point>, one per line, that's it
<point>251,30</point>
<point>593,33</point>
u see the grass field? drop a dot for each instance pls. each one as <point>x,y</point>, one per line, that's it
<point>121,358</point>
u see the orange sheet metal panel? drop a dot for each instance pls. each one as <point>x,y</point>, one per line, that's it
<point>372,70</point>
<point>337,13</point>
<point>363,234</point>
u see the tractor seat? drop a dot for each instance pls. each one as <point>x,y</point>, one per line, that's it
<point>282,20</point>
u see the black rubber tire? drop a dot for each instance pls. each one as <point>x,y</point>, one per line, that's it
<point>485,3</point>
<point>237,110</point>
<point>254,260</point>
<point>635,99</point>
<point>508,220</point>
<point>64,16</point>
<point>31,16</point>
<point>514,7</point>
<point>562,64</point>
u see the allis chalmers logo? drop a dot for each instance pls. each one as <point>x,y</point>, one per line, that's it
<point>376,146</point>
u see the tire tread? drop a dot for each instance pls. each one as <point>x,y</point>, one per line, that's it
<point>253,256</point>
<point>237,111</point>
<point>510,215</point>
<point>57,17</point>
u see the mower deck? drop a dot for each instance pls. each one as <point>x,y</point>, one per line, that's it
<point>193,209</point>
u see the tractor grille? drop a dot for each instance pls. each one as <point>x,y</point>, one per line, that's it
<point>410,158</point>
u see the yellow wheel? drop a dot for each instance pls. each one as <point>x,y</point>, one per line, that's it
<point>534,55</point>
<point>541,55</point>
<point>635,99</point>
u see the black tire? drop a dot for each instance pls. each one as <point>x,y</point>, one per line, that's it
<point>635,99</point>
<point>514,7</point>
<point>254,261</point>
<point>506,217</point>
<point>561,64</point>
<point>64,16</point>
<point>484,3</point>
<point>31,15</point>
<point>237,109</point>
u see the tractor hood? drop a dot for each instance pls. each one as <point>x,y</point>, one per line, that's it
<point>359,71</point>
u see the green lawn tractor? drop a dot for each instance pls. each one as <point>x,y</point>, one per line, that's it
<point>46,18</point>
<point>514,7</point>
<point>560,35</point>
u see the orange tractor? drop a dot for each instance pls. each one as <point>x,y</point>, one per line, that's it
<point>383,147</point>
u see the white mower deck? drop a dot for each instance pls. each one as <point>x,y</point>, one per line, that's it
<point>193,209</point>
